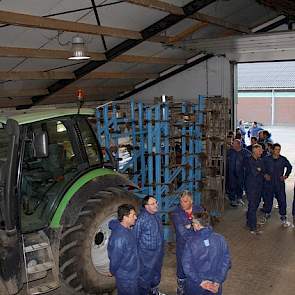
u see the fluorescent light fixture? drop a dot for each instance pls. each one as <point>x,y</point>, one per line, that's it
<point>78,49</point>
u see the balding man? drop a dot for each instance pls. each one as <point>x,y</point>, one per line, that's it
<point>255,176</point>
<point>182,219</point>
<point>235,173</point>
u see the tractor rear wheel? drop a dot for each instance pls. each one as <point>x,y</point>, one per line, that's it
<point>84,264</point>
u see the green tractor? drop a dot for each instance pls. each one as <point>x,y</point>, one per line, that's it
<point>57,195</point>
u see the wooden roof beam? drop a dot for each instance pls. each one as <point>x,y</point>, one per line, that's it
<point>43,53</point>
<point>35,75</point>
<point>57,75</point>
<point>188,32</point>
<point>23,92</point>
<point>149,60</point>
<point>170,8</point>
<point>159,5</point>
<point>25,20</point>
<point>120,75</point>
<point>63,54</point>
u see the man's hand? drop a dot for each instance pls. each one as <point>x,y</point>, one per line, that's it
<point>267,177</point>
<point>210,286</point>
<point>282,178</point>
<point>109,274</point>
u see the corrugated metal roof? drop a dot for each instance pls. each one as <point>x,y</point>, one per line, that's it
<point>280,75</point>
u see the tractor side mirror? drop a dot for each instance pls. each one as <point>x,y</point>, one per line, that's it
<point>40,144</point>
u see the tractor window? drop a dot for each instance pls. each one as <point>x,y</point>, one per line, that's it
<point>3,144</point>
<point>90,143</point>
<point>45,176</point>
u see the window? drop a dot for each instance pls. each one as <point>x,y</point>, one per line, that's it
<point>45,176</point>
<point>90,143</point>
<point>3,144</point>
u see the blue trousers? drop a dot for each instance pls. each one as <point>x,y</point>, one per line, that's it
<point>179,269</point>
<point>127,287</point>
<point>150,269</point>
<point>293,205</point>
<point>193,288</point>
<point>280,194</point>
<point>253,204</point>
<point>235,188</point>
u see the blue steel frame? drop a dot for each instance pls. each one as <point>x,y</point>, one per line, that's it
<point>149,130</point>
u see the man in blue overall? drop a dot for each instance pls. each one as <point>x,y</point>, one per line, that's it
<point>255,175</point>
<point>206,259</point>
<point>150,243</point>
<point>278,168</point>
<point>235,172</point>
<point>122,251</point>
<point>182,220</point>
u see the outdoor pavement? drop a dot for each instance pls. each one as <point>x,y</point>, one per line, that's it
<point>261,265</point>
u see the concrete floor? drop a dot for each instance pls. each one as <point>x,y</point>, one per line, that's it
<point>263,264</point>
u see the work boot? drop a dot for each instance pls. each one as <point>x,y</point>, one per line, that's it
<point>155,291</point>
<point>256,232</point>
<point>180,287</point>
<point>234,204</point>
<point>284,221</point>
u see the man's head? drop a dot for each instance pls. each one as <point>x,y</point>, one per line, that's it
<point>276,149</point>
<point>257,150</point>
<point>261,135</point>
<point>269,147</point>
<point>253,140</point>
<point>254,124</point>
<point>236,145</point>
<point>127,215</point>
<point>150,204</point>
<point>200,220</point>
<point>186,200</point>
<point>266,134</point>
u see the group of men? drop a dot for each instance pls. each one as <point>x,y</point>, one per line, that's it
<point>260,170</point>
<point>136,250</point>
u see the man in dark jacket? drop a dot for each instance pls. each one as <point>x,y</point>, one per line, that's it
<point>206,259</point>
<point>235,172</point>
<point>150,243</point>
<point>278,168</point>
<point>182,219</point>
<point>255,175</point>
<point>122,251</point>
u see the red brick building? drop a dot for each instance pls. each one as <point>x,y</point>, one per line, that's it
<point>266,93</point>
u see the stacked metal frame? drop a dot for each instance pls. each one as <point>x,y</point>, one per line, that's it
<point>170,148</point>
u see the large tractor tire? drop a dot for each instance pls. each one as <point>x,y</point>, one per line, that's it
<point>84,264</point>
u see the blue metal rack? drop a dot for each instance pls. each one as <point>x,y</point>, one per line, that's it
<point>164,144</point>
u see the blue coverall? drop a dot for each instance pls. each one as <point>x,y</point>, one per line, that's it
<point>235,175</point>
<point>276,168</point>
<point>180,221</point>
<point>205,257</point>
<point>150,243</point>
<point>293,205</point>
<point>124,259</point>
<point>253,131</point>
<point>255,172</point>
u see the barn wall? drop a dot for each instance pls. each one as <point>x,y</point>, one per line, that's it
<point>209,78</point>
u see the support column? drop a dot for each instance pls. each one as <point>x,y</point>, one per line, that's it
<point>273,107</point>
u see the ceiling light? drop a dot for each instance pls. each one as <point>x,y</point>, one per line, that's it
<point>78,49</point>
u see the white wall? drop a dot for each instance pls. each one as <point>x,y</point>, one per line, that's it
<point>208,78</point>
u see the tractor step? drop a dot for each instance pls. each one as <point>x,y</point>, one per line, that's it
<point>40,267</point>
<point>36,247</point>
<point>41,270</point>
<point>41,289</point>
